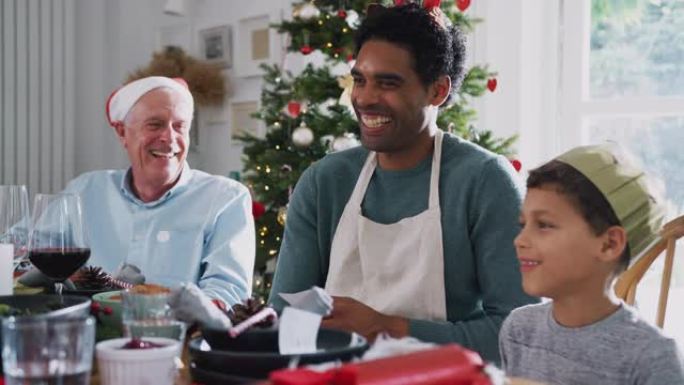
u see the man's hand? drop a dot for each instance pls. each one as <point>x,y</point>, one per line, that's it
<point>353,316</point>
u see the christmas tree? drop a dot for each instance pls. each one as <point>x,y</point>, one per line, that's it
<point>308,113</point>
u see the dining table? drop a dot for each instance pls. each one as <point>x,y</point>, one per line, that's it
<point>183,363</point>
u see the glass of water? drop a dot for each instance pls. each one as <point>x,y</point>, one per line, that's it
<point>14,219</point>
<point>47,351</point>
<point>149,315</point>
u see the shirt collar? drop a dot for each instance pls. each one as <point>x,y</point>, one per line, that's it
<point>180,186</point>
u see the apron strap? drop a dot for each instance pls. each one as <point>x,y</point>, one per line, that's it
<point>434,175</point>
<point>363,180</point>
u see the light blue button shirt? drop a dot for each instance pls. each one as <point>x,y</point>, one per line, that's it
<point>200,231</point>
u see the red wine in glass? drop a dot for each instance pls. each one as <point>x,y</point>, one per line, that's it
<point>59,264</point>
<point>58,244</point>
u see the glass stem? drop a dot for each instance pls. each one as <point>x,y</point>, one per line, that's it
<point>58,288</point>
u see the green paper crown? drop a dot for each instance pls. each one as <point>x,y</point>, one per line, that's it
<point>625,187</point>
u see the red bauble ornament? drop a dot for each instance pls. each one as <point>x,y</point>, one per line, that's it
<point>516,164</point>
<point>258,209</point>
<point>462,5</point>
<point>350,57</point>
<point>294,108</point>
<point>399,3</point>
<point>431,3</point>
<point>306,49</point>
<point>342,14</point>
<point>491,84</point>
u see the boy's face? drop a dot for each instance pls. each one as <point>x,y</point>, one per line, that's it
<point>558,252</point>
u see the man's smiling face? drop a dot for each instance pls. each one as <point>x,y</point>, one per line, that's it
<point>389,99</point>
<point>155,135</point>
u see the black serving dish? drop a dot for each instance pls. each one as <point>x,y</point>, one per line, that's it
<point>71,306</point>
<point>208,377</point>
<point>255,353</point>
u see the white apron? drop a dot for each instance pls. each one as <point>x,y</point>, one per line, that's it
<point>396,269</point>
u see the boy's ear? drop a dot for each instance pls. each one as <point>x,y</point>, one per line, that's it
<point>614,243</point>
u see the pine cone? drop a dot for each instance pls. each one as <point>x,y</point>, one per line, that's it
<point>240,312</point>
<point>92,278</point>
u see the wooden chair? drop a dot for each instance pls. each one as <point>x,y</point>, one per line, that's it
<point>626,285</point>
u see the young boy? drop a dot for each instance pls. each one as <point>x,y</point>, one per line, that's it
<point>585,214</point>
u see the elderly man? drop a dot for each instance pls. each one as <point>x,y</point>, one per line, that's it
<point>174,223</point>
<point>413,232</point>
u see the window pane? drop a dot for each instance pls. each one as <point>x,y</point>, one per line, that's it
<point>657,143</point>
<point>637,48</point>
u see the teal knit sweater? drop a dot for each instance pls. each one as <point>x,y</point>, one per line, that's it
<point>480,201</point>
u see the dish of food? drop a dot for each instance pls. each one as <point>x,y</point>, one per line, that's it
<point>12,311</point>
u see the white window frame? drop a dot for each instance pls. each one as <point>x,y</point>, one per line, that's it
<point>575,106</point>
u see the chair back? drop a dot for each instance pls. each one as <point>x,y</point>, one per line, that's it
<point>626,286</point>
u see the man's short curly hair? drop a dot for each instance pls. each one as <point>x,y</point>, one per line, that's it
<point>437,48</point>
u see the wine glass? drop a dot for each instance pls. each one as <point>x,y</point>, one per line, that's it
<point>58,245</point>
<point>14,220</point>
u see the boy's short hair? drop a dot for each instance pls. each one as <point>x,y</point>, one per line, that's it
<point>608,191</point>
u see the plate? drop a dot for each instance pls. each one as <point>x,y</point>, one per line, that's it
<point>69,305</point>
<point>86,292</point>
<point>209,377</point>
<point>255,352</point>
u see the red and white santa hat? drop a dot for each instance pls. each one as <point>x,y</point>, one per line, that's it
<point>123,99</point>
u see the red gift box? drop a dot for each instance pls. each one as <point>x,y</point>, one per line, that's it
<point>449,364</point>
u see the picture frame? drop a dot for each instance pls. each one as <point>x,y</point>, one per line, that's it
<point>257,45</point>
<point>216,45</point>
<point>242,121</point>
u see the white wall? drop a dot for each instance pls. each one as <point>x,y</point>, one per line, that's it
<point>116,37</point>
<point>516,40</point>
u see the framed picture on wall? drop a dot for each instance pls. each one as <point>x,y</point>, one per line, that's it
<point>243,122</point>
<point>256,42</point>
<point>216,45</point>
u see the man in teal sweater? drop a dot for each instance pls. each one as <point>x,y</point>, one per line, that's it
<point>412,233</point>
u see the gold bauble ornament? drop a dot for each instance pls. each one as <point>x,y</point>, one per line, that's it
<point>282,215</point>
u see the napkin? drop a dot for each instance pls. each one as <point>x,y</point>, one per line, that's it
<point>34,278</point>
<point>299,322</point>
<point>314,300</point>
<point>129,273</point>
<point>190,304</point>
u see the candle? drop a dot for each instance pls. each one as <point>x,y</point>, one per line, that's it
<point>6,277</point>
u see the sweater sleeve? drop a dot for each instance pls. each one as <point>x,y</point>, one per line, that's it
<point>660,362</point>
<point>492,217</point>
<point>299,264</point>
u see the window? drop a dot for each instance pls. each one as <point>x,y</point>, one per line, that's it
<point>622,79</point>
